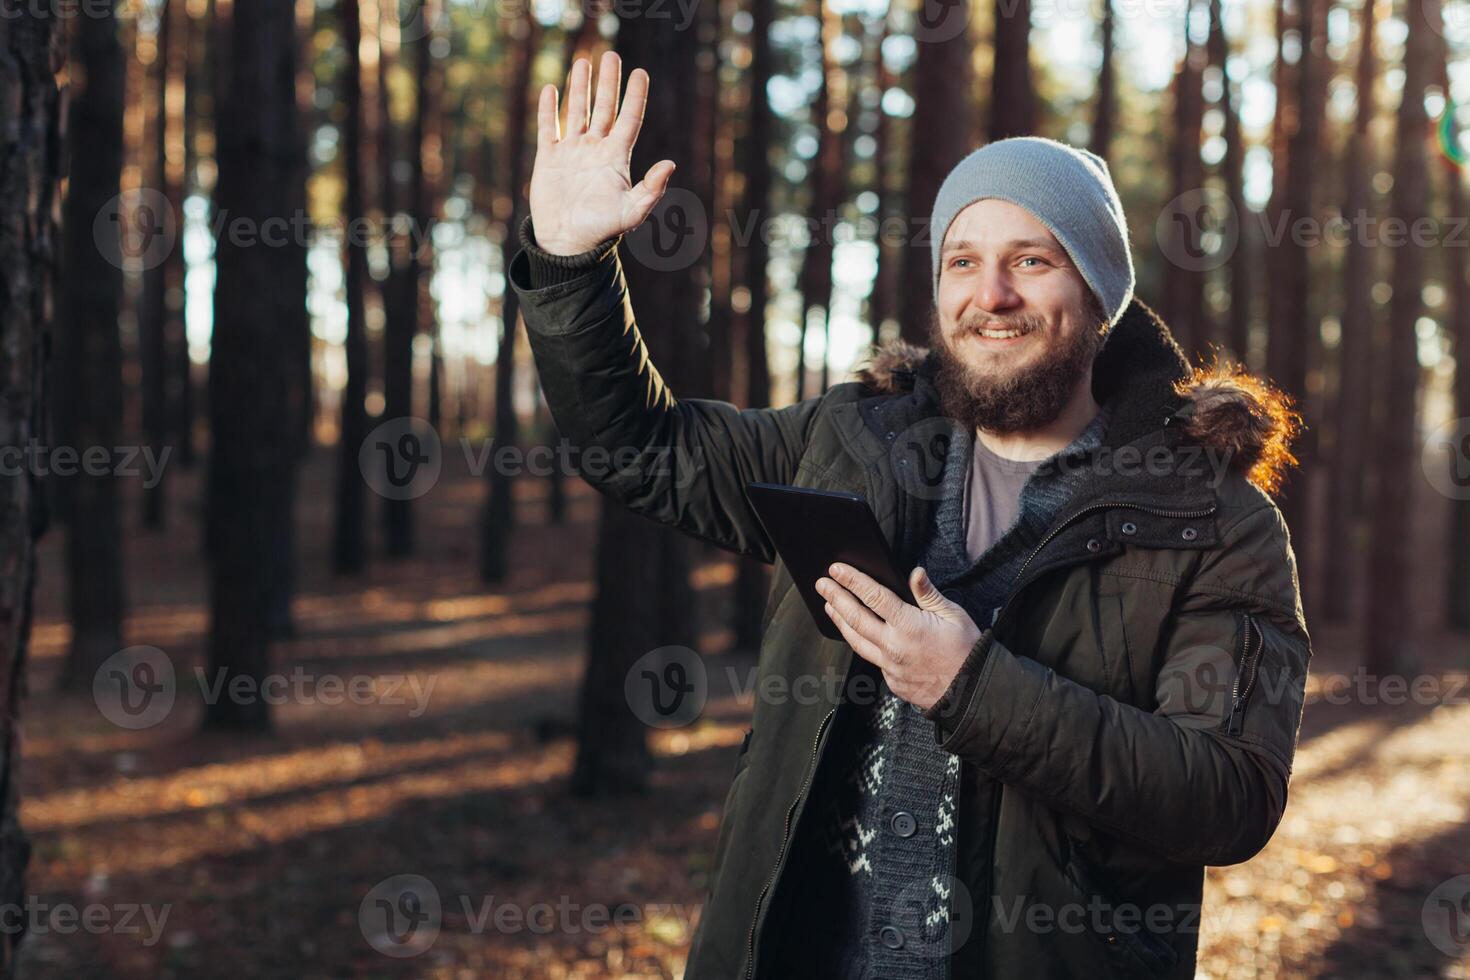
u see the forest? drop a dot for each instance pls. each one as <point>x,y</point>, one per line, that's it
<point>304,596</point>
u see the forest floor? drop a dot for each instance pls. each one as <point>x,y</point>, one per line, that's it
<point>165,853</point>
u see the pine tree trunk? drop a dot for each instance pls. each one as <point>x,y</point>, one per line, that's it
<point>1390,616</point>
<point>1012,95</point>
<point>89,348</point>
<point>941,132</point>
<point>827,184</point>
<point>1355,354</point>
<point>400,291</point>
<point>1238,271</point>
<point>752,577</point>
<point>254,398</point>
<point>498,523</point>
<point>1183,292</point>
<point>882,301</point>
<point>30,173</point>
<point>1105,112</point>
<point>153,317</point>
<point>1293,328</point>
<point>644,596</point>
<point>349,547</point>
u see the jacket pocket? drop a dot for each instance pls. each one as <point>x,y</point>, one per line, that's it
<point>1131,950</point>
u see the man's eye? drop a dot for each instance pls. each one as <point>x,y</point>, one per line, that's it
<point>955,262</point>
<point>1032,258</point>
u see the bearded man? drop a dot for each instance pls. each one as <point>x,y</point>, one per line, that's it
<point>1099,690</point>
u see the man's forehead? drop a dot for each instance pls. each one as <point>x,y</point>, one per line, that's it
<point>1002,225</point>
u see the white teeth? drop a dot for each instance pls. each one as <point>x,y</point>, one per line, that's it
<point>1000,334</point>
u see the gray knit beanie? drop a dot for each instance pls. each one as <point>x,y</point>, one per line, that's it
<point>1068,189</point>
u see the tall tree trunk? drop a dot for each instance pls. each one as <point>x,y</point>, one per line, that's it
<point>1183,287</point>
<point>498,523</point>
<point>1294,330</point>
<point>815,278</point>
<point>349,547</point>
<point>883,301</point>
<point>1355,354</point>
<point>713,142</point>
<point>89,349</point>
<point>30,172</point>
<point>1232,172</point>
<point>292,282</point>
<point>644,596</point>
<point>1390,616</point>
<point>752,577</point>
<point>155,333</point>
<point>197,109</point>
<point>1012,95</point>
<point>1105,112</point>
<point>400,292</point>
<point>428,182</point>
<point>254,409</point>
<point>941,132</point>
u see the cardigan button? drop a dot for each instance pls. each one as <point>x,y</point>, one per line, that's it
<point>904,824</point>
<point>891,936</point>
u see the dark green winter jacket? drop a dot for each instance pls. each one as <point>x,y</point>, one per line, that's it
<point>1137,699</point>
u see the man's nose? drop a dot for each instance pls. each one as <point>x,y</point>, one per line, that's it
<point>995,292</point>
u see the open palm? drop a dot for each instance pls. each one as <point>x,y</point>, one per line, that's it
<point>582,193</point>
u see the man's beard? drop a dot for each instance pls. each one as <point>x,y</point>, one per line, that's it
<point>1022,401</point>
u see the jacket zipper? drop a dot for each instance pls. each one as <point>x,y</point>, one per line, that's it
<point>785,839</point>
<point>1245,678</point>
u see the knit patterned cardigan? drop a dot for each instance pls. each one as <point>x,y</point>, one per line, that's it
<point>876,886</point>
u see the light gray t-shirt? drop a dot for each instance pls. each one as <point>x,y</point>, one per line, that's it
<point>993,497</point>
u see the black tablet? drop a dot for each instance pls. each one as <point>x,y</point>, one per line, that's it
<point>814,528</point>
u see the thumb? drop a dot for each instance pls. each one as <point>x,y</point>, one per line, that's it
<point>922,586</point>
<point>649,191</point>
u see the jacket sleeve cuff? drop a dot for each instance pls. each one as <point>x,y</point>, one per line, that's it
<point>945,712</point>
<point>547,269</point>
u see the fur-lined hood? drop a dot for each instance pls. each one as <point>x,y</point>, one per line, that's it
<point>1224,408</point>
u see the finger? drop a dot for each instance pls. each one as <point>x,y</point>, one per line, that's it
<point>926,593</point>
<point>609,77</point>
<point>860,644</point>
<point>873,594</point>
<point>649,190</point>
<point>859,616</point>
<point>548,127</point>
<point>630,117</point>
<point>579,84</point>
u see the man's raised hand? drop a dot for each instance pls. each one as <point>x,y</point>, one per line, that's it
<point>581,190</point>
